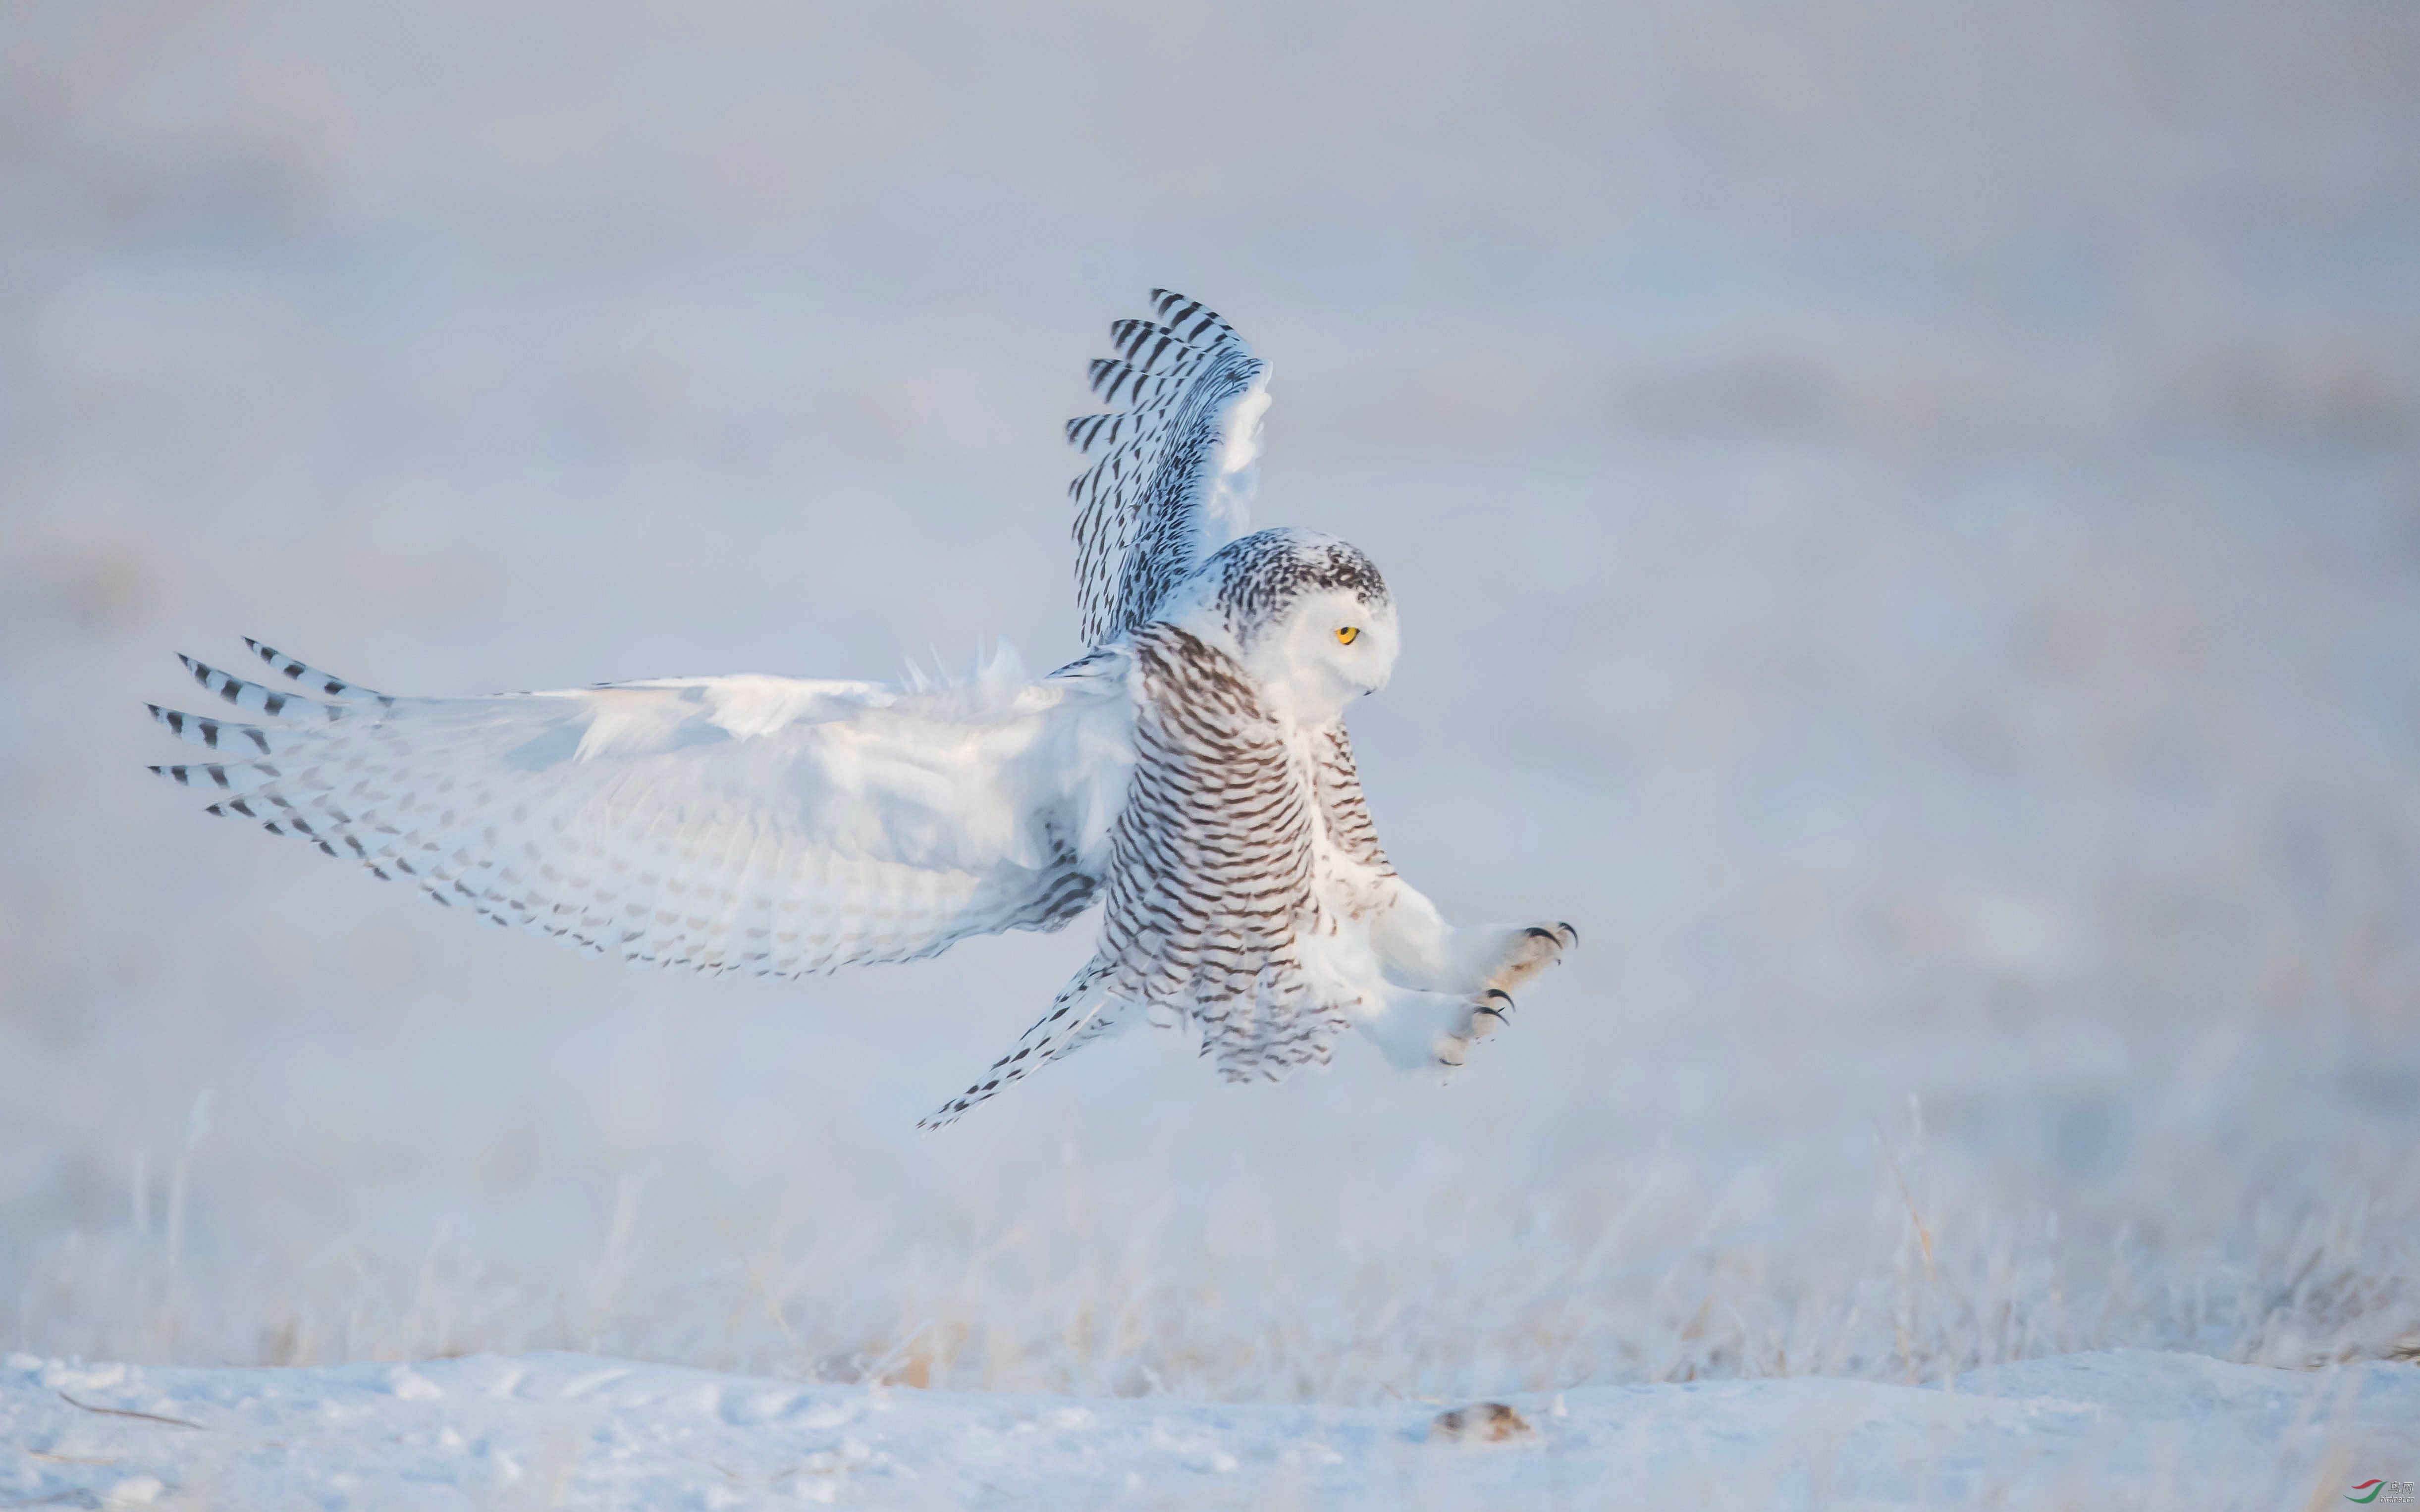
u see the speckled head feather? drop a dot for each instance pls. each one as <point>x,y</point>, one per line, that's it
<point>1261,577</point>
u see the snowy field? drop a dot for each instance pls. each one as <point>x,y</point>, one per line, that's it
<point>574,1431</point>
<point>1915,550</point>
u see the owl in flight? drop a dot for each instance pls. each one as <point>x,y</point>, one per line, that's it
<point>1189,773</point>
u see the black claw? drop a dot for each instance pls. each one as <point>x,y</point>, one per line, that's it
<point>1498,992</point>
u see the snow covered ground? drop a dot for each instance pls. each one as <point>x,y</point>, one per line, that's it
<point>2121,1429</point>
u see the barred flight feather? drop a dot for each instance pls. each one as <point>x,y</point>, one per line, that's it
<point>1175,471</point>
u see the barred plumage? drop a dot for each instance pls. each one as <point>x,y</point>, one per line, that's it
<point>634,818</point>
<point>1175,473</point>
<point>1347,812</point>
<point>1190,771</point>
<point>1210,866</point>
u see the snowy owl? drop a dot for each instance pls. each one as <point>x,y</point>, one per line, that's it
<point>1189,773</point>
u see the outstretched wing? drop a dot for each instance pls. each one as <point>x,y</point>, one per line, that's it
<point>1175,459</point>
<point>756,824</point>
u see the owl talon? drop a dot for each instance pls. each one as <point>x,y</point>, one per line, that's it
<point>1528,950</point>
<point>1492,1010</point>
<point>1564,936</point>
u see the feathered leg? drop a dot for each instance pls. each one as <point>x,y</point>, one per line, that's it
<point>1082,1011</point>
<point>1418,949</point>
<point>1419,1030</point>
<point>1448,987</point>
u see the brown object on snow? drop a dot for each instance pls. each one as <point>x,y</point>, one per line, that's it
<point>1487,1423</point>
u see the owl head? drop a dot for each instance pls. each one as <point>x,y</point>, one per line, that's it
<point>1307,615</point>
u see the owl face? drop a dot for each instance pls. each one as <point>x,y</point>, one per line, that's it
<point>1329,647</point>
<point>1307,614</point>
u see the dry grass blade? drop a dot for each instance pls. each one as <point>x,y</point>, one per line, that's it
<point>125,1411</point>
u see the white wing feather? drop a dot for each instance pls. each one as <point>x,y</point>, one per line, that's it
<point>758,823</point>
<point>1177,462</point>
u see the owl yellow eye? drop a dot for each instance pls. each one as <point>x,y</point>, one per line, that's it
<point>1349,634</point>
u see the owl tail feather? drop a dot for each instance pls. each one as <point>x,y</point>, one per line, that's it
<point>1082,1011</point>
